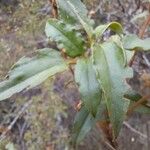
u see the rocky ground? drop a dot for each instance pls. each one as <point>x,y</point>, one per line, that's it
<point>46,122</point>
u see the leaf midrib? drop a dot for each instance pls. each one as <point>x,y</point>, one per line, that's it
<point>65,36</point>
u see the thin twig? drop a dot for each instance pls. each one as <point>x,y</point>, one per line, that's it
<point>138,103</point>
<point>109,145</point>
<point>146,60</point>
<point>22,110</point>
<point>134,130</point>
<point>144,27</point>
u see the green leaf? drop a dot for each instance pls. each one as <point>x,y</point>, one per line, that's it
<point>69,15</point>
<point>83,123</point>
<point>109,65</point>
<point>132,95</point>
<point>80,13</point>
<point>74,11</point>
<point>114,26</point>
<point>132,42</point>
<point>66,13</point>
<point>65,36</point>
<point>88,85</point>
<point>102,112</point>
<point>29,72</point>
<point>127,54</point>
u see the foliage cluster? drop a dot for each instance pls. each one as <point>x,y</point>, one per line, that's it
<point>100,67</point>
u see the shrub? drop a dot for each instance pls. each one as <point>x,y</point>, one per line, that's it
<point>101,67</point>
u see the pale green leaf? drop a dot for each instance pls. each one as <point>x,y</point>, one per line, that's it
<point>132,42</point>
<point>30,72</point>
<point>114,26</point>
<point>88,85</point>
<point>111,73</point>
<point>65,36</point>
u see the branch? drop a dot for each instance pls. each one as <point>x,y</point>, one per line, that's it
<point>138,103</point>
<point>134,130</point>
<point>22,110</point>
<point>144,27</point>
<point>54,8</point>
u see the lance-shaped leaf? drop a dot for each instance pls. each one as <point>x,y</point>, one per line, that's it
<point>73,11</point>
<point>114,26</point>
<point>66,13</point>
<point>29,72</point>
<point>132,42</point>
<point>83,123</point>
<point>81,16</point>
<point>88,85</point>
<point>65,36</point>
<point>109,65</point>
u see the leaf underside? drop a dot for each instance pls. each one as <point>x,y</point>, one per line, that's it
<point>133,42</point>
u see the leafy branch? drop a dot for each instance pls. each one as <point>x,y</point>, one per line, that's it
<point>100,68</point>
